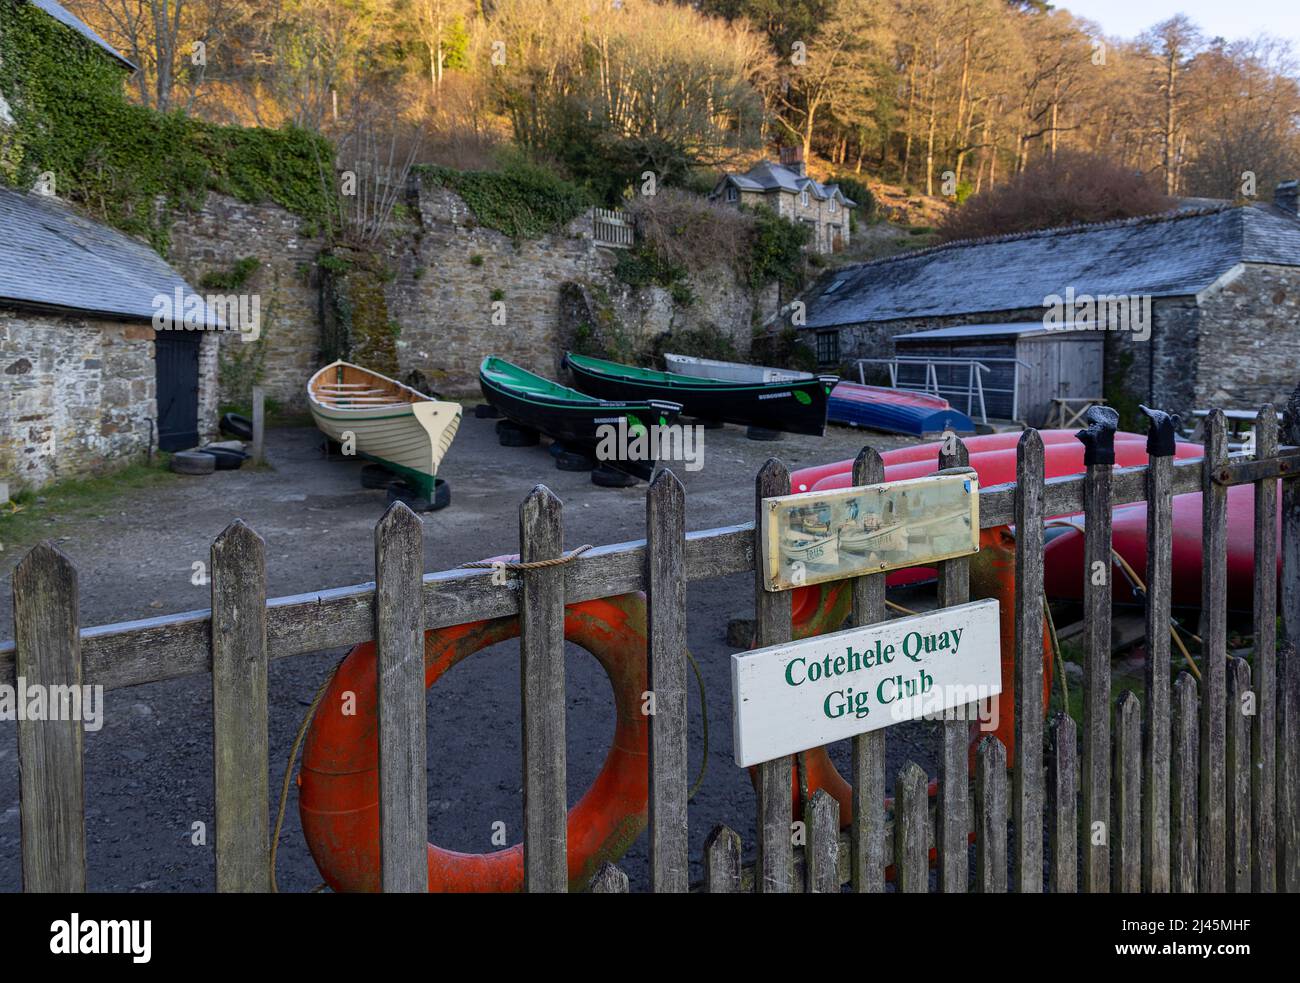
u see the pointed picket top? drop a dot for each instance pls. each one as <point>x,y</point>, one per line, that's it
<point>868,468</point>
<point>1030,447</point>
<point>398,517</point>
<point>960,456</point>
<point>666,486</point>
<point>236,535</point>
<point>45,567</point>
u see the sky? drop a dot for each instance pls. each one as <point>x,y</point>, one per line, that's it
<point>1233,20</point>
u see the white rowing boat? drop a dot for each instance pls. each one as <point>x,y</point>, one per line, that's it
<point>392,424</point>
<point>710,368</point>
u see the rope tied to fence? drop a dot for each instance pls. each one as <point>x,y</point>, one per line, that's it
<point>530,564</point>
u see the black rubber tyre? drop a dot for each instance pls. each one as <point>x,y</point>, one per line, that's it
<point>569,461</point>
<point>486,411</point>
<point>400,491</point>
<point>607,477</point>
<point>376,476</point>
<point>227,459</point>
<point>234,425</point>
<point>762,433</point>
<point>513,435</point>
<point>193,462</point>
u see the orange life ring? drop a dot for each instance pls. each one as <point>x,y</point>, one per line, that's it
<point>339,796</point>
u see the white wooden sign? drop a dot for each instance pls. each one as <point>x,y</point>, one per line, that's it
<point>801,695</point>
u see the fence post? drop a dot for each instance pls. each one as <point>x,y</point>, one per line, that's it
<point>1126,825</point>
<point>951,833</point>
<point>52,796</point>
<point>666,658</point>
<point>911,832</point>
<point>1214,655</point>
<point>608,880</point>
<point>1288,728</point>
<point>1028,790</point>
<point>722,861</point>
<point>991,817</point>
<point>1239,777</point>
<point>399,644</point>
<point>259,425</point>
<point>1098,573</point>
<point>867,836</point>
<point>541,668</point>
<point>774,871</point>
<point>1161,444</point>
<point>1063,781</point>
<point>1263,725</point>
<point>822,818</point>
<point>1183,798</point>
<point>241,747</point>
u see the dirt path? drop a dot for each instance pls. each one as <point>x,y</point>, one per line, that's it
<point>149,771</point>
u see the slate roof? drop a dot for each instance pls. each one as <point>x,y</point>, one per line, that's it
<point>51,257</point>
<point>1170,255</point>
<point>56,10</point>
<point>768,176</point>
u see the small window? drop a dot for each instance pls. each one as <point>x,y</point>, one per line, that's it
<point>803,197</point>
<point>733,194</point>
<point>832,206</point>
<point>833,287</point>
<point>828,347</point>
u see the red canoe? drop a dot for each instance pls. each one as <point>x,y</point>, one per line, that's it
<point>993,456</point>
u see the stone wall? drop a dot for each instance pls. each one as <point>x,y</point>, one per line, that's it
<point>1249,341</point>
<point>213,241</point>
<point>76,395</point>
<point>458,291</point>
<point>463,291</point>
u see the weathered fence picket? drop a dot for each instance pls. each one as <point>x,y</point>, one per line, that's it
<point>1028,787</point>
<point>1263,725</point>
<point>867,834</point>
<point>722,861</point>
<point>399,666</point>
<point>991,817</point>
<point>1062,791</point>
<point>51,787</point>
<point>666,670</point>
<point>541,668</point>
<point>1241,707</point>
<point>1187,788</point>
<point>1184,764</point>
<point>1098,588</point>
<point>240,741</point>
<point>775,871</point>
<point>911,839</point>
<point>1126,803</point>
<point>1159,595</point>
<point>952,834</point>
<point>1214,654</point>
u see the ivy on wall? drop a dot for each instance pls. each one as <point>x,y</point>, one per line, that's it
<point>523,201</point>
<point>116,159</point>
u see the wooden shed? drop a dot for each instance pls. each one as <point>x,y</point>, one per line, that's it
<point>1021,367</point>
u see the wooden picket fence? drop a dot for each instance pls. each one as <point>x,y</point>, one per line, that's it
<point>613,227</point>
<point>1189,791</point>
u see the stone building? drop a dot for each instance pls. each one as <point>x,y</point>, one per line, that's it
<point>787,189</point>
<point>85,379</point>
<point>1198,308</point>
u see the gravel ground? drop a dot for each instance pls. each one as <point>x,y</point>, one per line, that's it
<point>149,769</point>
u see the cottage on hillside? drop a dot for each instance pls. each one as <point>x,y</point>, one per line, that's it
<point>786,188</point>
<point>1195,308</point>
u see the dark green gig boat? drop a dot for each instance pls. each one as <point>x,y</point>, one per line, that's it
<point>795,406</point>
<point>579,421</point>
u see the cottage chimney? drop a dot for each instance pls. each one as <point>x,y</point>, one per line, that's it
<point>792,159</point>
<point>1285,197</point>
